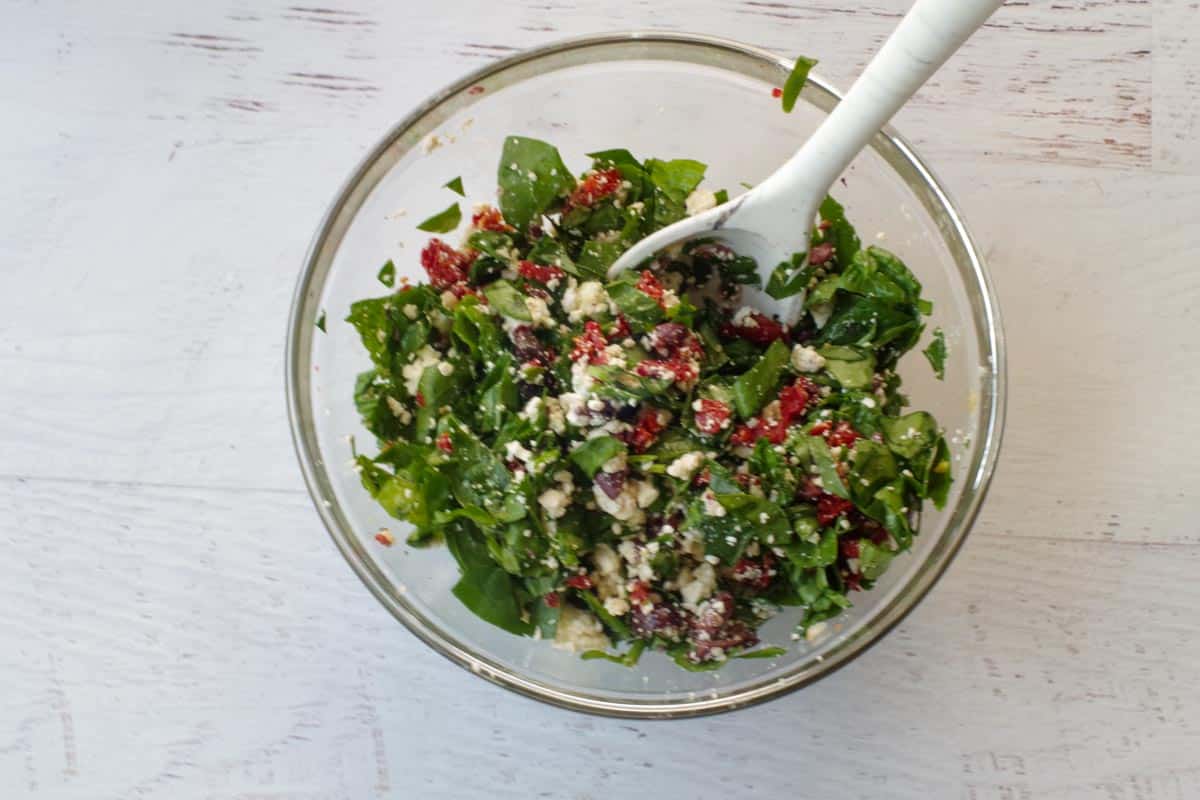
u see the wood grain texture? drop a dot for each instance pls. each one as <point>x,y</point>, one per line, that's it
<point>179,626</point>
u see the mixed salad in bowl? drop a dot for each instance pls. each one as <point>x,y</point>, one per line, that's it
<point>645,461</point>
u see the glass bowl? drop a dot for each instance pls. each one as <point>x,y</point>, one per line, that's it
<point>669,96</point>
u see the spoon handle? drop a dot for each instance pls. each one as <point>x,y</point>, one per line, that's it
<point>928,35</point>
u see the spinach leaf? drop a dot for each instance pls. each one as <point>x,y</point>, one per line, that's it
<point>627,659</point>
<point>766,652</point>
<point>936,353</point>
<point>617,157</point>
<point>532,176</point>
<point>508,300</point>
<point>873,560</point>
<point>795,82</point>
<point>851,367</point>
<point>476,329</point>
<point>595,452</point>
<point>596,257</point>
<point>614,624</point>
<point>455,185</point>
<point>831,481</point>
<point>838,231</point>
<point>753,387</point>
<point>639,308</point>
<point>497,395</point>
<point>320,323</point>
<point>552,252</point>
<point>910,435</point>
<point>387,274</point>
<point>672,182</point>
<point>485,588</point>
<point>443,221</point>
<point>790,277</point>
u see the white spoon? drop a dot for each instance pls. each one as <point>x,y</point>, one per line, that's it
<point>774,220</point>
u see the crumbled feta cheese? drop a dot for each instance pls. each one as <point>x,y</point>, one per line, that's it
<point>518,451</point>
<point>446,368</point>
<point>584,300</point>
<point>647,493</point>
<point>539,312</point>
<point>699,201</point>
<point>806,359</point>
<point>623,507</point>
<point>684,466</point>
<point>411,372</point>
<point>410,310</point>
<point>555,501</point>
<point>397,408</point>
<point>617,463</point>
<point>742,318</point>
<point>712,506</point>
<point>700,584</point>
<point>814,631</point>
<point>617,606</point>
<point>579,630</point>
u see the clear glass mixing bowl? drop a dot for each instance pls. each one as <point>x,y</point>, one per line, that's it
<point>663,95</point>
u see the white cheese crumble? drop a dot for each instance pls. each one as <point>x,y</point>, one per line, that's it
<point>410,310</point>
<point>623,507</point>
<point>397,408</point>
<point>712,506</point>
<point>555,501</point>
<point>647,493</point>
<point>807,359</point>
<point>700,584</point>
<point>411,372</point>
<point>686,465</point>
<point>584,300</point>
<point>579,630</point>
<point>539,312</point>
<point>699,201</point>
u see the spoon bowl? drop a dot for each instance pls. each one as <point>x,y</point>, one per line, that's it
<point>772,222</point>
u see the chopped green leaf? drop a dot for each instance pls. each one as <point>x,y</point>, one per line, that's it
<point>795,82</point>
<point>532,176</point>
<point>443,221</point>
<point>387,274</point>
<point>455,185</point>
<point>936,353</point>
<point>508,300</point>
<point>753,387</point>
<point>321,321</point>
<point>596,452</point>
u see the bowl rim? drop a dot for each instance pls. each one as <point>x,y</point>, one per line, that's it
<point>888,616</point>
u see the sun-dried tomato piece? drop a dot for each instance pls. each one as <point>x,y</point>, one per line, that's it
<point>651,286</point>
<point>445,265</point>
<point>841,434</point>
<point>552,599</point>
<point>674,369</point>
<point>595,187</point>
<point>830,507</point>
<point>712,416</point>
<point>444,444</point>
<point>579,582</point>
<point>489,218</point>
<point>542,273</point>
<point>755,327</point>
<point>590,344</point>
<point>647,429</point>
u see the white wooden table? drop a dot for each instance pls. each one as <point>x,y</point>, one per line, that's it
<point>174,621</point>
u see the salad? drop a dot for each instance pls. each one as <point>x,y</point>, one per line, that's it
<point>644,462</point>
